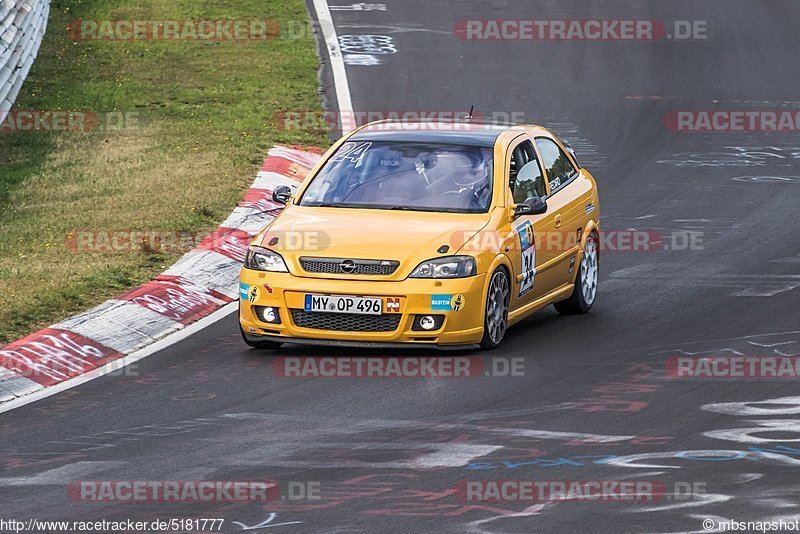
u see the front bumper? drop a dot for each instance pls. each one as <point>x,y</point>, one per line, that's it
<point>286,292</point>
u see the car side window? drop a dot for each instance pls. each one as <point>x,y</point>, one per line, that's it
<point>525,178</point>
<point>556,163</point>
<point>530,182</point>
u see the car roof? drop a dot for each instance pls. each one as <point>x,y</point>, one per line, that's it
<point>453,133</point>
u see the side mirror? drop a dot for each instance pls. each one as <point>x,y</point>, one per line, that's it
<point>532,206</point>
<point>281,194</point>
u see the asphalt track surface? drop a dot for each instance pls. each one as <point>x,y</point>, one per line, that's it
<point>386,451</point>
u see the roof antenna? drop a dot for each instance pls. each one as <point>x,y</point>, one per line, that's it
<point>470,117</point>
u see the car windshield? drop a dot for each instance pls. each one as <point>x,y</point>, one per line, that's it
<point>404,176</point>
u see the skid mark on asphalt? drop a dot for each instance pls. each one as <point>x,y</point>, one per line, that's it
<point>745,285</point>
<point>738,156</point>
<point>61,475</point>
<point>788,259</point>
<point>768,179</point>
<point>773,344</point>
<point>267,523</point>
<point>300,454</point>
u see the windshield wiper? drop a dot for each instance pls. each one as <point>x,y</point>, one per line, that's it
<point>327,205</point>
<point>396,207</point>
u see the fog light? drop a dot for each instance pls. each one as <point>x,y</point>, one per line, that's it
<point>427,322</point>
<point>268,314</point>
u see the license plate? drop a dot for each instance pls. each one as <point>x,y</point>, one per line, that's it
<point>333,304</point>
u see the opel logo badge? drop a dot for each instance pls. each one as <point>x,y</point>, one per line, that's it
<point>347,266</point>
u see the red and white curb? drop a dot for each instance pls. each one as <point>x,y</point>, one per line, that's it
<point>189,293</point>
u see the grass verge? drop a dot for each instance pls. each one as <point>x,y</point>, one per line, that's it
<point>183,125</point>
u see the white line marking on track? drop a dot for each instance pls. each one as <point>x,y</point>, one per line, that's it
<point>266,524</point>
<point>61,475</point>
<point>337,65</point>
<point>115,365</point>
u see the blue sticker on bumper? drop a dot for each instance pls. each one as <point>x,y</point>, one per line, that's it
<point>441,302</point>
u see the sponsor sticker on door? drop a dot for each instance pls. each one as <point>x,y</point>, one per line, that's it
<point>527,246</point>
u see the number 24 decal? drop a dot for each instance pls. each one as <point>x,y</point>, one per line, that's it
<point>353,152</point>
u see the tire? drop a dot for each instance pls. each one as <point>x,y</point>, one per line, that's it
<point>584,292</point>
<point>495,317</point>
<point>264,345</point>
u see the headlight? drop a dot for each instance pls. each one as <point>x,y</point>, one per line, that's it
<point>261,259</point>
<point>447,267</point>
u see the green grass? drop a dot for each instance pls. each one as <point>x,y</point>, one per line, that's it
<point>204,121</point>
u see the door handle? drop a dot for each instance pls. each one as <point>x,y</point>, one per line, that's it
<point>558,220</point>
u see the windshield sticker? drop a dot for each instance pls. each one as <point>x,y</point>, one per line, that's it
<point>352,152</point>
<point>527,246</point>
<point>419,165</point>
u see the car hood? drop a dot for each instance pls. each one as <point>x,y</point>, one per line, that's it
<point>408,237</point>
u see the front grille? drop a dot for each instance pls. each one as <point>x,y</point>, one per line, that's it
<point>334,266</point>
<point>346,322</point>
